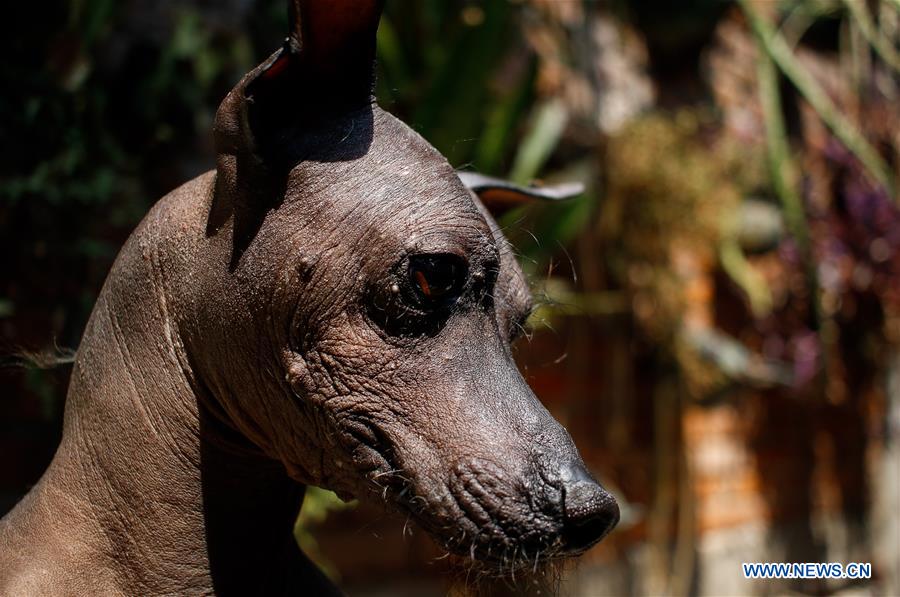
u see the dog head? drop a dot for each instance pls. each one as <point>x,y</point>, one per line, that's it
<point>359,330</point>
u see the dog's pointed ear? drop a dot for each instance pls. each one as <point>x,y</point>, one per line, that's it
<point>499,196</point>
<point>325,68</point>
<point>312,99</point>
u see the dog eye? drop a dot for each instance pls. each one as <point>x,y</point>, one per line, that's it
<point>437,279</point>
<point>419,294</point>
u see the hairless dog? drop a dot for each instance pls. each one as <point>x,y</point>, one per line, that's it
<point>332,306</point>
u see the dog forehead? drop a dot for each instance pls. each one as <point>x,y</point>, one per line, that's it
<point>400,190</point>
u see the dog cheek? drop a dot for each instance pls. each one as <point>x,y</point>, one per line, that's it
<point>300,432</point>
<point>315,437</point>
<point>298,377</point>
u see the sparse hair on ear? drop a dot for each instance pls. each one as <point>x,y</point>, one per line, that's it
<point>500,196</point>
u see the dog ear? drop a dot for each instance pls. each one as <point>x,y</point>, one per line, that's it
<point>324,69</point>
<point>499,196</point>
<point>310,100</point>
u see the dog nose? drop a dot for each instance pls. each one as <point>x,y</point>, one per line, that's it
<point>589,511</point>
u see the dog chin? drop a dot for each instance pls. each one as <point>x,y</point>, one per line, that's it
<point>507,554</point>
<point>510,576</point>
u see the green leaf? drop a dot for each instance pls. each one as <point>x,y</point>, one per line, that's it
<point>547,126</point>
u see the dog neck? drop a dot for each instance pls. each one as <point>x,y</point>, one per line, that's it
<point>151,489</point>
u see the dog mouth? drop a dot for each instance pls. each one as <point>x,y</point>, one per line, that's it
<point>476,527</point>
<point>476,509</point>
<point>475,516</point>
<point>511,521</point>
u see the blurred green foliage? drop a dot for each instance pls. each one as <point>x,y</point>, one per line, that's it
<point>317,505</point>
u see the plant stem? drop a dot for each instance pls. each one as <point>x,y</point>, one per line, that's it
<point>547,126</point>
<point>882,47</point>
<point>780,53</point>
<point>784,180</point>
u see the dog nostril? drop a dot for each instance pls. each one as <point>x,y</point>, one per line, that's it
<point>590,512</point>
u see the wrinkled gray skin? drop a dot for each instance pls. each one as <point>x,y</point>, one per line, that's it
<point>222,372</point>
